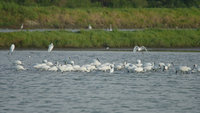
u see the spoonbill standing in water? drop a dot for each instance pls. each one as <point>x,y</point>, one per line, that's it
<point>12,48</point>
<point>50,47</point>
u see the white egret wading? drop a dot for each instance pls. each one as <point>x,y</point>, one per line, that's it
<point>50,47</point>
<point>12,48</point>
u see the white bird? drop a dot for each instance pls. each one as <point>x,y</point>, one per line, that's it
<point>90,67</point>
<point>22,26</point>
<point>104,67</point>
<point>107,48</point>
<point>110,29</point>
<point>45,67</point>
<point>50,47</point>
<point>137,48</point>
<point>54,68</point>
<point>44,61</point>
<point>195,68</point>
<point>18,62</point>
<point>62,68</point>
<point>198,69</point>
<point>76,67</point>
<point>149,66</point>
<point>12,48</point>
<point>165,68</point>
<point>139,64</point>
<point>89,26</point>
<point>49,63</point>
<point>42,66</point>
<point>161,64</point>
<point>96,62</point>
<point>139,69</point>
<point>121,66</point>
<point>183,69</point>
<point>112,68</point>
<point>70,61</point>
<point>131,68</point>
<point>38,66</point>
<point>20,67</point>
<point>84,69</point>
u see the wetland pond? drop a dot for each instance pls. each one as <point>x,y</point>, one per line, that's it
<point>40,91</point>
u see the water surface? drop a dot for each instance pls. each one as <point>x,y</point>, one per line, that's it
<point>98,92</point>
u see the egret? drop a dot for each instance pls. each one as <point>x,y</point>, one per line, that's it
<point>137,48</point>
<point>89,26</point>
<point>107,48</point>
<point>22,26</point>
<point>12,48</point>
<point>110,29</point>
<point>50,47</point>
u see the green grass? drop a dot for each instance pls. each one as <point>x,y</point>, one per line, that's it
<point>13,15</point>
<point>165,38</point>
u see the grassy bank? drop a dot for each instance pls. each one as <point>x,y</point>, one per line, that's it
<point>13,15</point>
<point>98,39</point>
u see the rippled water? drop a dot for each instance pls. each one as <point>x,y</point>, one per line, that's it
<point>97,92</point>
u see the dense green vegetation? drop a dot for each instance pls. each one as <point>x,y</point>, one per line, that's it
<point>98,39</point>
<point>109,3</point>
<point>146,14</point>
<point>13,15</point>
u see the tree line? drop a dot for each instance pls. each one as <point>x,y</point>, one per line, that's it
<point>109,3</point>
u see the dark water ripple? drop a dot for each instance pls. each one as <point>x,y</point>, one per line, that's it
<point>98,92</point>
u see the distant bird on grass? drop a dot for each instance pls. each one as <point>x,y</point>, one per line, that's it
<point>22,26</point>
<point>89,26</point>
<point>110,29</point>
<point>50,47</point>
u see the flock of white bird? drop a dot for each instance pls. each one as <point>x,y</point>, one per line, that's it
<point>96,65</point>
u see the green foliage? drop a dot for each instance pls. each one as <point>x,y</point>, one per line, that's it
<point>98,39</point>
<point>109,3</point>
<point>12,16</point>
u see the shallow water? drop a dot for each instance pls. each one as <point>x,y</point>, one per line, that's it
<point>98,92</point>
